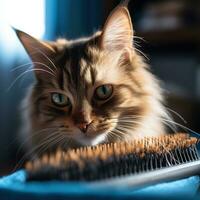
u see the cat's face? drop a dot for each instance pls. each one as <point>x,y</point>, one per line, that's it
<point>90,90</point>
<point>89,96</point>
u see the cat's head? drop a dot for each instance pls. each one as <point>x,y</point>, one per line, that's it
<point>90,90</point>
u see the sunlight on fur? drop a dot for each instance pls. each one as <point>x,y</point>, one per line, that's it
<point>91,90</point>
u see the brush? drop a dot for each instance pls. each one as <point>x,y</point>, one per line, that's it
<point>134,163</point>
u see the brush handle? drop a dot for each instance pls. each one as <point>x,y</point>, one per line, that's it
<point>148,178</point>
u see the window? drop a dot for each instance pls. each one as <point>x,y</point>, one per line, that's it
<point>26,15</point>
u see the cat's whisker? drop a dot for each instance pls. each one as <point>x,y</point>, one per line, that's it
<point>142,53</point>
<point>21,66</point>
<point>66,143</point>
<point>44,65</point>
<point>38,50</point>
<point>136,43</point>
<point>111,137</point>
<point>46,140</point>
<point>183,127</point>
<point>56,140</point>
<point>125,117</point>
<point>67,134</point>
<point>118,134</point>
<point>126,121</point>
<point>122,132</point>
<point>33,150</point>
<point>46,144</point>
<point>177,114</point>
<point>114,132</point>
<point>130,123</point>
<point>30,137</point>
<point>32,63</point>
<point>27,71</point>
<point>114,135</point>
<point>131,126</point>
<point>140,38</point>
<point>172,127</point>
<point>107,137</point>
<point>174,124</point>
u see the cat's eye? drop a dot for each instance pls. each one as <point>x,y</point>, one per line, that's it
<point>103,92</point>
<point>60,100</point>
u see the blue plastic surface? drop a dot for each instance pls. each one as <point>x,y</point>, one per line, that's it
<point>15,187</point>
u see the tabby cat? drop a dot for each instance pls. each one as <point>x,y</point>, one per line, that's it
<point>91,90</point>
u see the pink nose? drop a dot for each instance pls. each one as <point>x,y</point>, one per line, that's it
<point>83,126</point>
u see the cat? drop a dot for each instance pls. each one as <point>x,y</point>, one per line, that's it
<point>91,90</point>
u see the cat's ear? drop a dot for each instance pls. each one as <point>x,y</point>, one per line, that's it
<point>41,53</point>
<point>35,48</point>
<point>117,32</point>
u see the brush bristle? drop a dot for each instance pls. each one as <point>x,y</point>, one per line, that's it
<point>115,159</point>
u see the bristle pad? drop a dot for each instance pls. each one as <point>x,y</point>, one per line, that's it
<point>115,159</point>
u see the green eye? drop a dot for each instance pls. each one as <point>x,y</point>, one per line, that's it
<point>60,100</point>
<point>103,92</point>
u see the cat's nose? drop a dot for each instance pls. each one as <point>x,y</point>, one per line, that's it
<point>83,126</point>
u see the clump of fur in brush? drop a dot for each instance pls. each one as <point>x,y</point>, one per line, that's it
<point>115,159</point>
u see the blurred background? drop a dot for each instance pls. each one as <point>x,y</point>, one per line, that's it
<point>169,35</point>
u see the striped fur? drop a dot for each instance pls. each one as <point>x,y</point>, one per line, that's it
<point>76,68</point>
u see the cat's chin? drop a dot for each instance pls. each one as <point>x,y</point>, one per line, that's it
<point>92,141</point>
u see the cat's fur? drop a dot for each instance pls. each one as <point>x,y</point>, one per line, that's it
<point>75,68</point>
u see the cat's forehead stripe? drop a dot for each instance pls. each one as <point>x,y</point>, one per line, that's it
<point>79,65</point>
<point>93,73</point>
<point>85,71</point>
